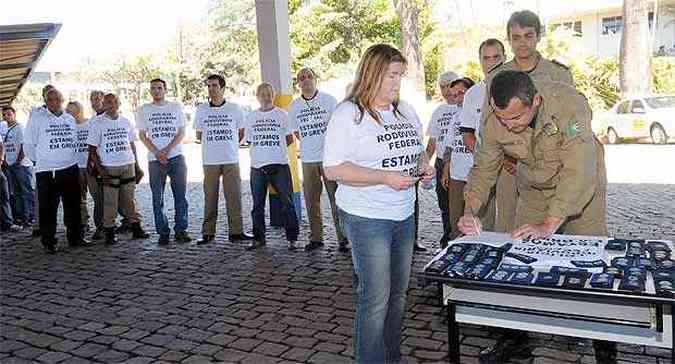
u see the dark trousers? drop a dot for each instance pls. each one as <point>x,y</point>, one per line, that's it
<point>279,176</point>
<point>55,187</point>
<point>5,208</point>
<point>442,195</point>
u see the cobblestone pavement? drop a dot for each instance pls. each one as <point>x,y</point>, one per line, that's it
<point>136,302</point>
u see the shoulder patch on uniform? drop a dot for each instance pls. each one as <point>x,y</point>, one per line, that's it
<point>551,129</point>
<point>574,128</point>
<point>560,64</point>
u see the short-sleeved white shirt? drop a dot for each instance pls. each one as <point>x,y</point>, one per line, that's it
<point>82,132</point>
<point>54,140</point>
<point>439,126</point>
<point>461,159</point>
<point>395,145</point>
<point>310,118</point>
<point>112,140</point>
<point>267,131</point>
<point>472,108</point>
<point>161,124</point>
<point>219,126</point>
<point>12,140</point>
<point>3,129</point>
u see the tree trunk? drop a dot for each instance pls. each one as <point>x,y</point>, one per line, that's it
<point>636,49</point>
<point>408,11</point>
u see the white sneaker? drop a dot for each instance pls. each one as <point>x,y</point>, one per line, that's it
<point>12,228</point>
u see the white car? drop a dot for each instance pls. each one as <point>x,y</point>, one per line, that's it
<point>641,117</point>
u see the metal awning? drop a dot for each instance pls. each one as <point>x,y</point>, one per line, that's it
<point>21,47</point>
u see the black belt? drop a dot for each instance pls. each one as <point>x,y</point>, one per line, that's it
<point>108,181</point>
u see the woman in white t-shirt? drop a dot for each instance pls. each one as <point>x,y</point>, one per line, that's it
<point>266,129</point>
<point>75,109</point>
<point>374,151</point>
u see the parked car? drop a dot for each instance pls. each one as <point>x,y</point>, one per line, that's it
<point>641,117</point>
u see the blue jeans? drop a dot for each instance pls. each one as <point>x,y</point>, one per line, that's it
<point>176,170</point>
<point>21,182</point>
<point>382,256</point>
<point>5,209</point>
<point>279,176</point>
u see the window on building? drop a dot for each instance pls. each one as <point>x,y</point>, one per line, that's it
<point>612,25</point>
<point>574,26</point>
<point>577,28</point>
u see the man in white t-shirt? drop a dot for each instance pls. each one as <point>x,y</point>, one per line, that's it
<point>308,118</point>
<point>93,186</point>
<point>267,131</point>
<point>491,53</point>
<point>161,126</point>
<point>34,112</point>
<point>111,150</point>
<point>220,128</point>
<point>459,162</point>
<point>50,141</point>
<point>19,170</point>
<point>6,221</point>
<point>3,128</point>
<point>437,131</point>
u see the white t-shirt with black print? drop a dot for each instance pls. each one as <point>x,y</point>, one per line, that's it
<point>461,159</point>
<point>54,140</point>
<point>310,118</point>
<point>161,124</point>
<point>219,126</point>
<point>439,126</point>
<point>267,131</point>
<point>395,145</point>
<point>472,109</point>
<point>82,132</point>
<point>3,129</point>
<point>112,140</point>
<point>13,139</point>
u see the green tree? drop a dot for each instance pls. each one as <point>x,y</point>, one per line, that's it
<point>130,77</point>
<point>331,35</point>
<point>228,46</point>
<point>411,45</point>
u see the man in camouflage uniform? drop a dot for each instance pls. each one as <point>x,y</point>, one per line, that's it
<point>560,176</point>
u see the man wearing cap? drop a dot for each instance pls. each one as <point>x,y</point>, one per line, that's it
<point>437,131</point>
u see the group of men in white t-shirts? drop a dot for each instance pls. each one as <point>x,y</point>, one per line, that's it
<point>62,149</point>
<point>220,127</point>
<point>51,146</point>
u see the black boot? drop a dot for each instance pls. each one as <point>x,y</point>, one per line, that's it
<point>110,238</point>
<point>137,231</point>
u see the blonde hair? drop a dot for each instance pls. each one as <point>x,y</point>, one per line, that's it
<point>372,69</point>
<point>267,86</point>
<point>80,110</point>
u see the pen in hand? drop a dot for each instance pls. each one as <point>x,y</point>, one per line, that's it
<point>475,224</point>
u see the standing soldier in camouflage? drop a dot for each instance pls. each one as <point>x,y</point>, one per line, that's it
<point>561,175</point>
<point>524,31</point>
